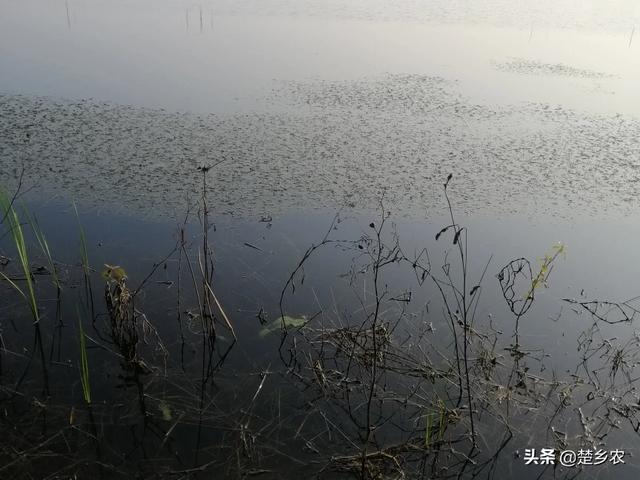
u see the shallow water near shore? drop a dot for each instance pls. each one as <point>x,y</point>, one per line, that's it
<point>254,258</point>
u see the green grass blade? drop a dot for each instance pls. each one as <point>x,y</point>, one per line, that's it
<point>15,228</point>
<point>83,245</point>
<point>427,431</point>
<point>44,246</point>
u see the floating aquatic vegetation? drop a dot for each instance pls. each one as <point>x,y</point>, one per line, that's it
<point>165,410</point>
<point>353,146</point>
<point>531,67</point>
<point>283,322</point>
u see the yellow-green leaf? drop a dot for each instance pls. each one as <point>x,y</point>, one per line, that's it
<point>166,411</point>
<point>114,272</point>
<point>289,322</point>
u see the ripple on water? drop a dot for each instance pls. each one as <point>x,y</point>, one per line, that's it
<point>618,15</point>
<point>334,144</point>
<point>531,67</point>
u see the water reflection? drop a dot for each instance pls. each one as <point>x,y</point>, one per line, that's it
<point>229,54</point>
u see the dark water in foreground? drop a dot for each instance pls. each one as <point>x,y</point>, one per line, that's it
<point>262,414</point>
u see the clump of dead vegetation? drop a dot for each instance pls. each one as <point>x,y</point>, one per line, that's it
<point>404,402</point>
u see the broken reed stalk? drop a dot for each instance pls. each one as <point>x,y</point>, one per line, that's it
<point>206,303</point>
<point>204,269</point>
<point>206,265</point>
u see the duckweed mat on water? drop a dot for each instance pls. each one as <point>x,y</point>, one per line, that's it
<point>330,144</point>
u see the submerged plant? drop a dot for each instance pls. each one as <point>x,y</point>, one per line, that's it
<point>283,322</point>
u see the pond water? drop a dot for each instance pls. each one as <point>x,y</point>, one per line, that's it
<point>331,128</point>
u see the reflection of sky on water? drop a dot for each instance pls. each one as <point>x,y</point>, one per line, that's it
<point>154,54</point>
<point>340,143</point>
<point>324,108</point>
<point>254,260</point>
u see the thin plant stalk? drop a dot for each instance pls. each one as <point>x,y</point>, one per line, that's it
<point>84,363</point>
<point>44,246</point>
<point>86,269</point>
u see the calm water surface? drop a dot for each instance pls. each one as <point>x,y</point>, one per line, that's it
<point>315,107</point>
